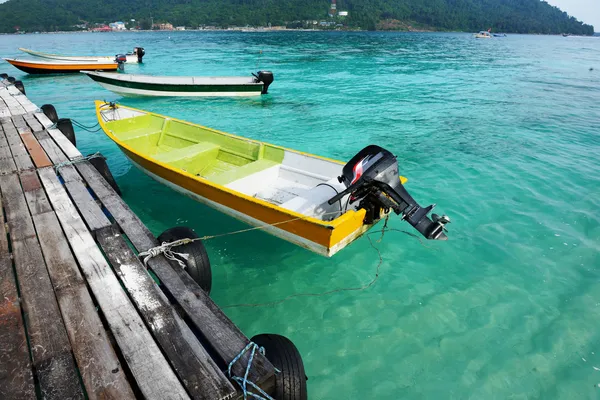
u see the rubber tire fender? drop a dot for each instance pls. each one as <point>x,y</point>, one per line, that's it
<point>197,264</point>
<point>290,382</point>
<point>50,112</point>
<point>102,167</point>
<point>19,85</point>
<point>66,127</point>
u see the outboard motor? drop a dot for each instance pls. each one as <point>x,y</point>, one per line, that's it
<point>371,177</point>
<point>266,77</point>
<point>121,59</point>
<point>139,52</point>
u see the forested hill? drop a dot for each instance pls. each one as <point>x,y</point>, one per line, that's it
<point>519,16</point>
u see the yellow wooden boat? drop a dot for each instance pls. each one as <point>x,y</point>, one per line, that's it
<point>317,203</point>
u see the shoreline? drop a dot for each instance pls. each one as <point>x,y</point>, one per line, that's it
<point>267,30</point>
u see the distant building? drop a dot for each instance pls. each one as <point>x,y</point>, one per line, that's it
<point>343,13</point>
<point>117,26</point>
<point>333,9</point>
<point>163,27</point>
<point>180,28</point>
<point>102,28</point>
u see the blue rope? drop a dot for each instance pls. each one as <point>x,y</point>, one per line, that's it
<point>243,382</point>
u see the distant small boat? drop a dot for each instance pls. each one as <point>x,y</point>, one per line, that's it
<point>190,86</point>
<point>132,58</point>
<point>499,34</point>
<point>483,35</point>
<point>60,67</point>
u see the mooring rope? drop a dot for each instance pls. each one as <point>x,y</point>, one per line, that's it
<point>80,125</point>
<point>77,160</point>
<point>243,382</point>
<point>166,247</point>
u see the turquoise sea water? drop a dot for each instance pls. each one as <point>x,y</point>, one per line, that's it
<point>503,134</point>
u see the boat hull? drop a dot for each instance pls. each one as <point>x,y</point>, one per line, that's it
<point>131,58</point>
<point>142,89</point>
<point>322,239</point>
<point>60,68</point>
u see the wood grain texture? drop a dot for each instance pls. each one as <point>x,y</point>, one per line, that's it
<point>32,122</point>
<point>39,157</point>
<point>99,367</point>
<point>50,348</point>
<point>196,369</point>
<point>218,330</point>
<point>148,366</point>
<point>34,193</point>
<point>16,377</point>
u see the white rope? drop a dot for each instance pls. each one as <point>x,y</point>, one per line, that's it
<point>165,249</point>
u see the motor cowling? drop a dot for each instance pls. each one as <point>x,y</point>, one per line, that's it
<point>139,52</point>
<point>266,77</point>
<point>371,178</point>
<point>121,59</point>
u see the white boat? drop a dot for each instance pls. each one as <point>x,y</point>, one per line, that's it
<point>189,86</point>
<point>132,58</point>
<point>483,35</point>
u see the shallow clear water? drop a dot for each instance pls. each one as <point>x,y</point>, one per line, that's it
<point>502,134</point>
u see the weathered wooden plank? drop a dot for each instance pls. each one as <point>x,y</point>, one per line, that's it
<point>88,208</point>
<point>50,348</point>
<point>17,148</point>
<point>39,157</point>
<point>101,372</point>
<point>27,105</point>
<point>67,147</point>
<point>147,364</point>
<point>16,378</point>
<point>192,363</point>
<point>34,193</point>
<point>52,150</point>
<point>19,122</point>
<point>45,121</point>
<point>226,339</point>
<point>4,111</point>
<point>33,123</point>
<point>13,105</point>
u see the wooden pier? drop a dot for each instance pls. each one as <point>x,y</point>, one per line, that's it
<point>80,316</point>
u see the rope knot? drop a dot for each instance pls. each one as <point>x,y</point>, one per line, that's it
<point>244,382</point>
<point>166,249</point>
<point>77,160</point>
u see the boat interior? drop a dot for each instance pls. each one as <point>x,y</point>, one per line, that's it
<point>292,180</point>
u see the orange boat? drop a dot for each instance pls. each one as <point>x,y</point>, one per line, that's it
<point>58,67</point>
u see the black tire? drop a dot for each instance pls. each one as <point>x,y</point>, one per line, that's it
<point>290,383</point>
<point>50,112</point>
<point>102,167</point>
<point>11,79</point>
<point>198,264</point>
<point>19,85</point>
<point>3,76</point>
<point>66,127</point>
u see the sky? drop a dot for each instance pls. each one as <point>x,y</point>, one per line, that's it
<point>587,11</point>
